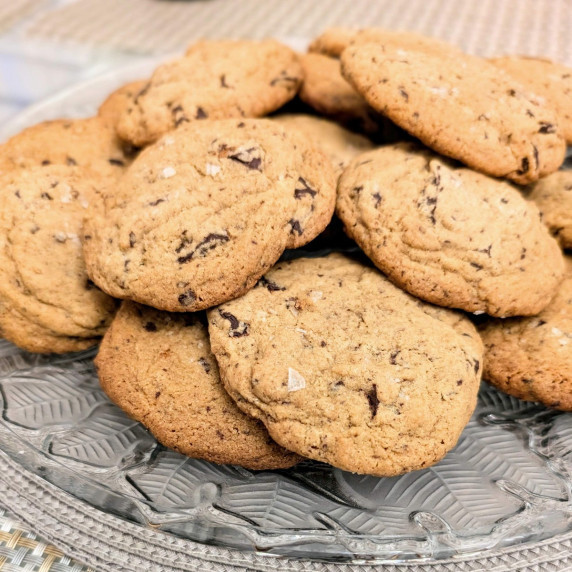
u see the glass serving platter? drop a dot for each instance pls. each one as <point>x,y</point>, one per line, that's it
<point>507,482</point>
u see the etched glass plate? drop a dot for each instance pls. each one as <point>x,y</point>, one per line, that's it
<point>507,482</point>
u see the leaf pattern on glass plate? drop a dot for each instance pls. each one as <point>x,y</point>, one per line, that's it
<point>489,489</point>
<point>171,480</point>
<point>557,440</point>
<point>50,396</point>
<point>274,502</point>
<point>360,521</point>
<point>491,399</point>
<point>106,439</point>
<point>461,488</point>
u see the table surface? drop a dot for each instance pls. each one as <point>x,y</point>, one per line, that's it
<point>46,45</point>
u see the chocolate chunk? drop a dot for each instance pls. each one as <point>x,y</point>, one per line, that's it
<point>524,166</point>
<point>248,158</point>
<point>295,224</point>
<point>46,162</point>
<point>377,198</point>
<point>223,81</point>
<point>305,189</point>
<point>210,242</point>
<point>155,203</point>
<point>547,127</point>
<point>187,298</point>
<point>393,357</point>
<point>372,400</point>
<point>477,364</point>
<point>179,116</point>
<point>237,328</point>
<point>201,113</point>
<point>131,239</point>
<point>47,196</point>
<point>206,365</point>
<point>272,286</point>
<point>459,382</point>
<point>150,327</point>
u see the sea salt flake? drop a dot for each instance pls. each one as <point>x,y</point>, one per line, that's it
<point>556,332</point>
<point>478,312</point>
<point>295,380</point>
<point>212,169</point>
<point>168,172</point>
<point>315,295</point>
<point>442,91</point>
<point>301,331</point>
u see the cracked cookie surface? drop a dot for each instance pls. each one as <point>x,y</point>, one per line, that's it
<point>531,358</point>
<point>344,367</point>
<point>213,80</point>
<point>461,106</point>
<point>158,368</point>
<point>203,213</point>
<point>447,234</point>
<point>547,79</point>
<point>47,302</point>
<point>553,196</point>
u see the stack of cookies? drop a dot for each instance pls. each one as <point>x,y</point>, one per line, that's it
<point>256,327</point>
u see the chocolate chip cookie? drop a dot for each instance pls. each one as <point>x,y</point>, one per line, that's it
<point>47,302</point>
<point>548,79</point>
<point>214,80</point>
<point>344,367</point>
<point>158,367</point>
<point>89,143</point>
<point>202,214</point>
<point>461,106</point>
<point>531,358</point>
<point>447,234</point>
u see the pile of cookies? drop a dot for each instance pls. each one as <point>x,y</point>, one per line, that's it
<point>252,329</point>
